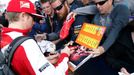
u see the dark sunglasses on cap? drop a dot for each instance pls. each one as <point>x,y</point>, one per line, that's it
<point>101,2</point>
<point>58,7</point>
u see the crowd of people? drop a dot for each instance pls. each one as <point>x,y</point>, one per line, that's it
<point>55,24</point>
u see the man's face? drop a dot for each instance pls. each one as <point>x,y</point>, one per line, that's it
<point>47,8</point>
<point>103,5</point>
<point>60,9</point>
<point>27,20</point>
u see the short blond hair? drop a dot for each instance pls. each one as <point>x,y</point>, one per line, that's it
<point>13,16</point>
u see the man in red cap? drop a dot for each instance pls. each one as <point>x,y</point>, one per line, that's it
<point>28,58</point>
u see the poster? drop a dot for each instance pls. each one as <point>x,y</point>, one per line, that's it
<point>90,35</point>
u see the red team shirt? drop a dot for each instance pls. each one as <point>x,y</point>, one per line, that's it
<point>28,58</point>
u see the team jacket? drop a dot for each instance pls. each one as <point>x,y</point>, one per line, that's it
<point>28,58</point>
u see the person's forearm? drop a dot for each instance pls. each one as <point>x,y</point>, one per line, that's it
<point>62,65</point>
<point>87,10</point>
<point>56,41</point>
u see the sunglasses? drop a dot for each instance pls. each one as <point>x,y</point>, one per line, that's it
<point>101,2</point>
<point>58,7</point>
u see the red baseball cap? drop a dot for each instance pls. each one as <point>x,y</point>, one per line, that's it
<point>22,6</point>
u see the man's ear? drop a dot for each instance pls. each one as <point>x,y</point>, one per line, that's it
<point>23,16</point>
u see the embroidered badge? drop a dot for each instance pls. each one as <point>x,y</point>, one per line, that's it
<point>24,4</point>
<point>44,67</point>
